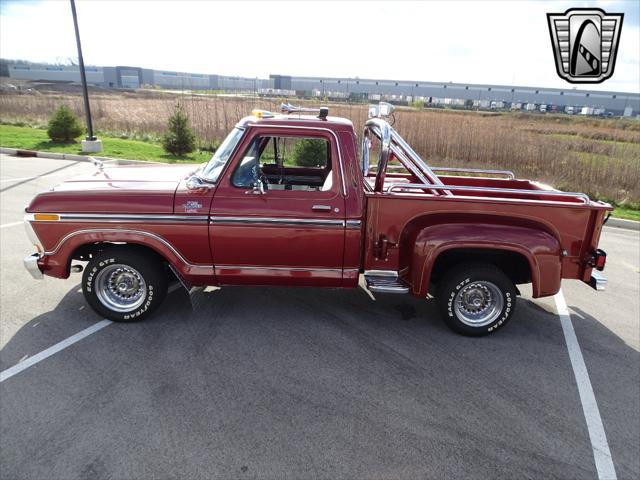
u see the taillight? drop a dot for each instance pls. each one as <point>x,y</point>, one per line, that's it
<point>599,259</point>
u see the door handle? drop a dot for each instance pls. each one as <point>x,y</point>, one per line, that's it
<point>321,208</point>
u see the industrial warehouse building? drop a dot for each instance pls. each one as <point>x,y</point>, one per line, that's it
<point>454,94</point>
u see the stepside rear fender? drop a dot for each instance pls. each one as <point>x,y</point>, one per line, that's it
<point>541,250</point>
<point>56,263</point>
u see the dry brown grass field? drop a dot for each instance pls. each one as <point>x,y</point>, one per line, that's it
<point>595,155</point>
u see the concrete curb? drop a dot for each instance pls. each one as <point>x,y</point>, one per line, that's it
<point>17,152</point>
<point>622,223</point>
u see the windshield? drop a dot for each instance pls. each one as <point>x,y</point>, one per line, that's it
<point>212,170</point>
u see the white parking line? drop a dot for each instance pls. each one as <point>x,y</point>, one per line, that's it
<point>15,179</point>
<point>38,357</point>
<point>599,444</point>
<point>11,224</point>
<point>26,179</point>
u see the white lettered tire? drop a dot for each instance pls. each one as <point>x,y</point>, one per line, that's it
<point>124,283</point>
<point>476,299</point>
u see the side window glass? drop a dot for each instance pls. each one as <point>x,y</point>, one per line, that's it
<point>286,163</point>
<point>248,171</point>
<point>308,152</point>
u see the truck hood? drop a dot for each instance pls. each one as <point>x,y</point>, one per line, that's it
<point>128,189</point>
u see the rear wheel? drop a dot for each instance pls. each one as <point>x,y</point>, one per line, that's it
<point>476,299</point>
<point>124,284</point>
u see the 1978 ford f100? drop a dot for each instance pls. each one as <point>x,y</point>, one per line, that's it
<point>295,199</point>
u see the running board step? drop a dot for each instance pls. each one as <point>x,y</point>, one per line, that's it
<point>385,282</point>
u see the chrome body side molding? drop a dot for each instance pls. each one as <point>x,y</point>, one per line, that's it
<point>119,218</point>
<point>280,269</point>
<point>182,219</point>
<point>313,222</point>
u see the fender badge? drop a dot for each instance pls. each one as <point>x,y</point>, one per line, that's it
<point>192,206</point>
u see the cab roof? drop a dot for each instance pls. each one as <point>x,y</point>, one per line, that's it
<point>275,119</point>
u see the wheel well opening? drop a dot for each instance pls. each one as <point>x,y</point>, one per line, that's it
<point>514,265</point>
<point>87,251</point>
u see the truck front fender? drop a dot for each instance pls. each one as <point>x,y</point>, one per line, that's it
<point>56,262</point>
<point>541,250</point>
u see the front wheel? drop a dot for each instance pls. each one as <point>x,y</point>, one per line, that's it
<point>476,299</point>
<point>124,284</point>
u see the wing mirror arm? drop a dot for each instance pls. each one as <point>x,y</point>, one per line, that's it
<point>258,188</point>
<point>195,183</point>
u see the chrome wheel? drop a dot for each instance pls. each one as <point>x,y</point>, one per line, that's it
<point>478,303</point>
<point>120,288</point>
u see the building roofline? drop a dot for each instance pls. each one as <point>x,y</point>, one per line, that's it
<point>429,83</point>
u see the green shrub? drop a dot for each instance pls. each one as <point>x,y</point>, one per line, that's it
<point>64,126</point>
<point>209,146</point>
<point>180,139</point>
<point>310,152</point>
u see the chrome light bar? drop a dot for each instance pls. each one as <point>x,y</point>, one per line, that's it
<point>322,112</point>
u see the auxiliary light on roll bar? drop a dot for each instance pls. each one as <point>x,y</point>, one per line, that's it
<point>381,110</point>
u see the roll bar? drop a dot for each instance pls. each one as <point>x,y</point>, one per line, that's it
<point>392,141</point>
<point>507,173</point>
<point>550,193</point>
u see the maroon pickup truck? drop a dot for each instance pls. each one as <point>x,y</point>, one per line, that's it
<point>295,199</point>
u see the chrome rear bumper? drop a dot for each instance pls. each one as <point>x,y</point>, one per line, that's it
<point>31,264</point>
<point>598,281</point>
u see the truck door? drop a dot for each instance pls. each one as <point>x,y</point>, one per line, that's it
<point>278,215</point>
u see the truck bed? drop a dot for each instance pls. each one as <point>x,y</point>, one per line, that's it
<point>398,214</point>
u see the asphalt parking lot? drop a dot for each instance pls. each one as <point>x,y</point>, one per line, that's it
<point>281,383</point>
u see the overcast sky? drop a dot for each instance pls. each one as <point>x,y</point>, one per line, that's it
<point>474,42</point>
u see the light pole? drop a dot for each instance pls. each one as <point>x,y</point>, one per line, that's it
<point>91,143</point>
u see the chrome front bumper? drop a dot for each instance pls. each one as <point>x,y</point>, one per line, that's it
<point>31,264</point>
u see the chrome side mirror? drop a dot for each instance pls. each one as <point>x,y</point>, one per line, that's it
<point>195,183</point>
<point>258,188</point>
